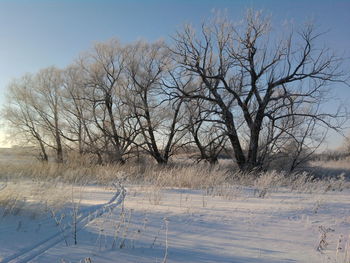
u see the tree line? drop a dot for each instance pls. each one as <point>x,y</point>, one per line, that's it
<point>241,88</point>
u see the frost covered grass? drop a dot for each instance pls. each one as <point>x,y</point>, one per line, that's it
<point>177,213</point>
<point>24,197</point>
<point>184,175</point>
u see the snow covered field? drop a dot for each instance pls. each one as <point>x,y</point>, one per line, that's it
<point>230,224</point>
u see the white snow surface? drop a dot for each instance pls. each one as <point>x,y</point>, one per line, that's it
<point>182,225</point>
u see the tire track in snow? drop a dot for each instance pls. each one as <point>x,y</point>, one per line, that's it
<point>85,217</point>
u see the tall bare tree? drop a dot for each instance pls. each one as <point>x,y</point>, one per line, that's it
<point>103,69</point>
<point>21,117</point>
<point>36,102</point>
<point>247,72</point>
<point>46,100</point>
<point>157,116</point>
<point>74,107</point>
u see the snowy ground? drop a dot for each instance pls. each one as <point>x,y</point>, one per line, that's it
<point>183,226</point>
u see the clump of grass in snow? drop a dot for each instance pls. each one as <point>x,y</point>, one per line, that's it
<point>342,252</point>
<point>322,244</point>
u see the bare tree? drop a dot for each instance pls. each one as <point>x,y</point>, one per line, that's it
<point>207,134</point>
<point>46,100</point>
<point>103,69</point>
<point>157,116</point>
<point>21,115</point>
<point>80,129</point>
<point>35,101</point>
<point>74,106</point>
<point>249,73</point>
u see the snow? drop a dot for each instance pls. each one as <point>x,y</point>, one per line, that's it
<point>282,227</point>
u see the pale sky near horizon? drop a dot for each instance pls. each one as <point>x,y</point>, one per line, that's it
<point>37,34</point>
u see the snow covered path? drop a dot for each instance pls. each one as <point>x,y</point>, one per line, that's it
<point>83,218</point>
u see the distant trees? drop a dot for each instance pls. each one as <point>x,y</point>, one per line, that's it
<point>237,87</point>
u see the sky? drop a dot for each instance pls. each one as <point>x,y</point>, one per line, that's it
<point>38,34</point>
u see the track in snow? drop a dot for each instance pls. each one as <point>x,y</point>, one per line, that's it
<point>84,218</point>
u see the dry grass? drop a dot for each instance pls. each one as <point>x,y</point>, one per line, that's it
<point>188,176</point>
<point>47,180</point>
<point>219,180</point>
<point>31,198</point>
<point>37,187</point>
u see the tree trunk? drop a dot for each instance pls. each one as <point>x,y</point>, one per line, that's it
<point>43,154</point>
<point>233,137</point>
<point>59,150</point>
<point>253,149</point>
<point>160,159</point>
<point>117,146</point>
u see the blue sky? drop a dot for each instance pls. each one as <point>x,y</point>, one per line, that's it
<point>37,34</point>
